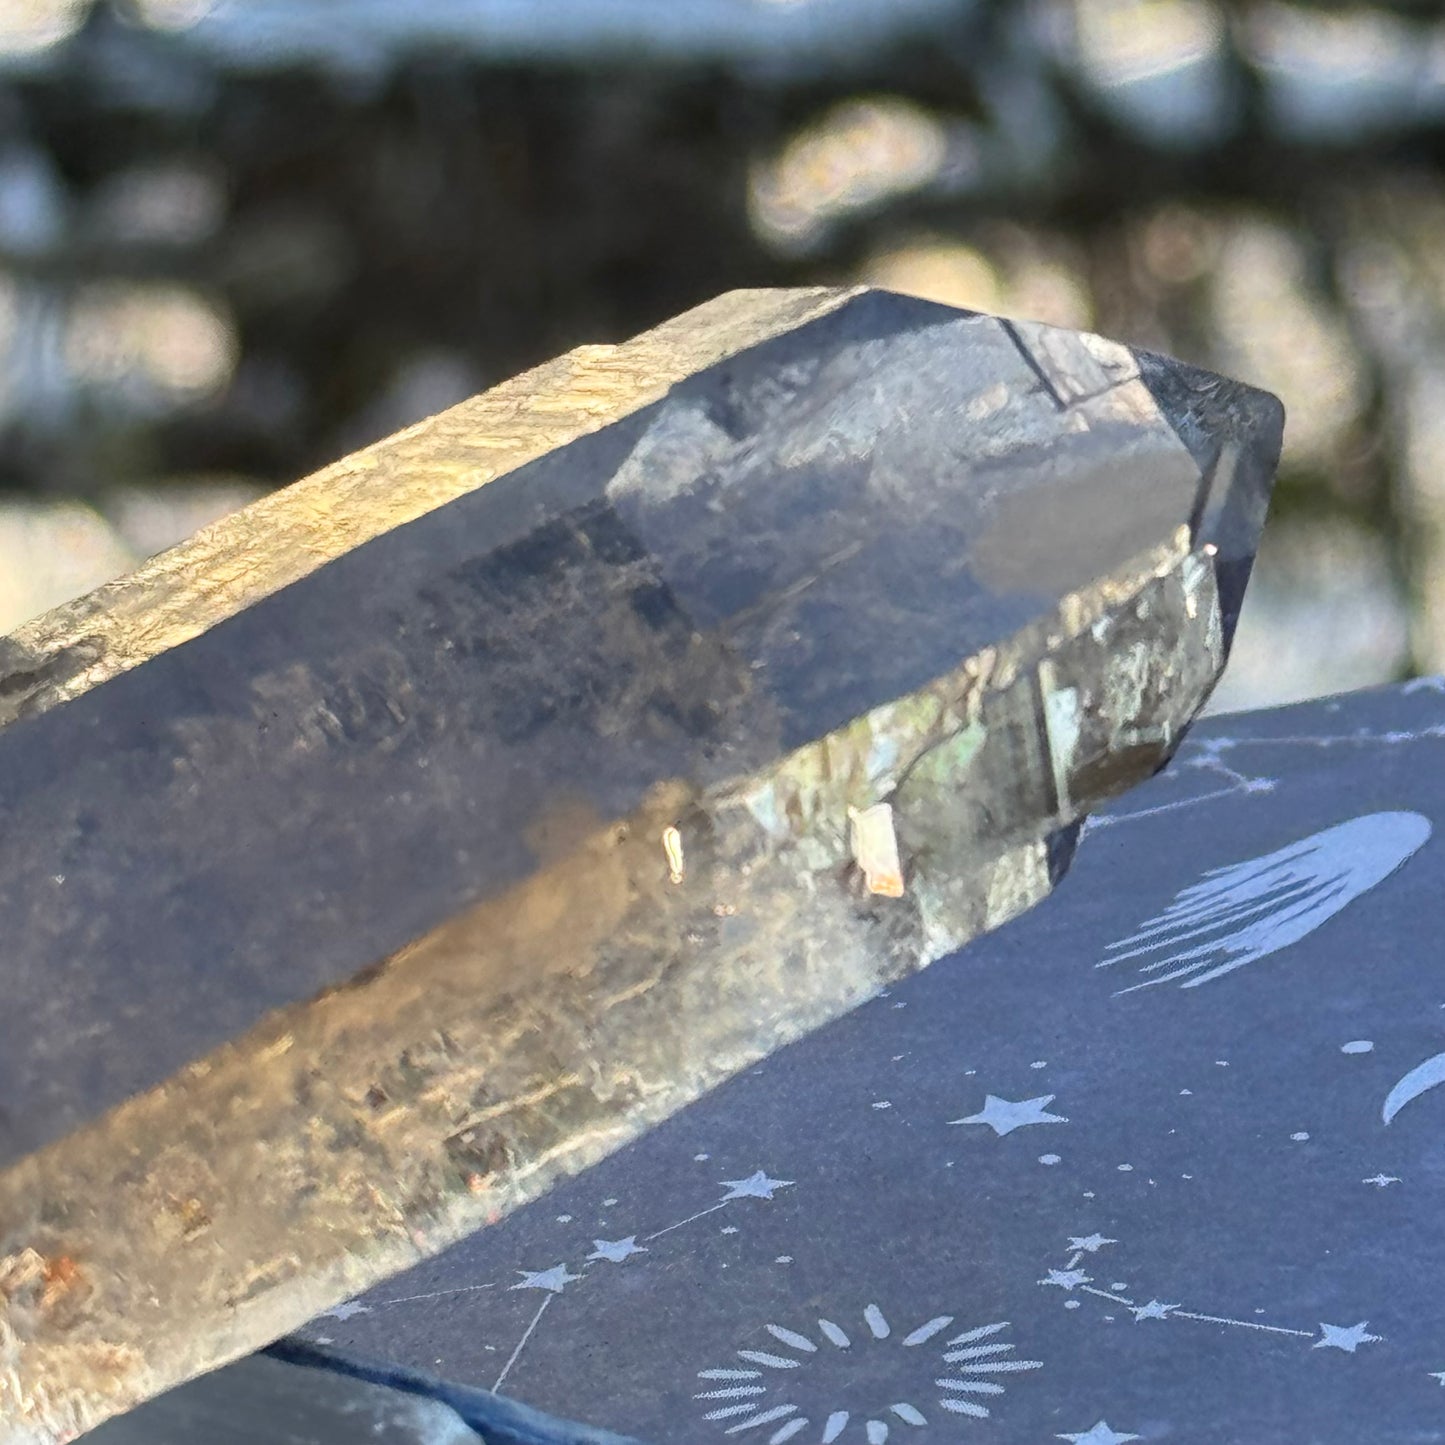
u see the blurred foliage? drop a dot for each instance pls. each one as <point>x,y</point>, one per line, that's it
<point>239,240</point>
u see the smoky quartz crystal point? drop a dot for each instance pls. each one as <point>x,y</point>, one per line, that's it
<point>431,828</point>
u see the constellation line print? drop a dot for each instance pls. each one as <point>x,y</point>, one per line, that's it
<point>554,1281</point>
<point>1207,755</point>
<point>691,1218</point>
<point>522,1343</point>
<point>972,1363</point>
<point>1072,1279</point>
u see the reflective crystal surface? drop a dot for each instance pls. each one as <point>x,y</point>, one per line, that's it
<point>786,660</point>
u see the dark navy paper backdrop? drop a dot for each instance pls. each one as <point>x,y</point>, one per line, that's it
<point>1025,1196</point>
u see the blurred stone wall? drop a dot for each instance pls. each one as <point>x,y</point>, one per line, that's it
<point>240,238</point>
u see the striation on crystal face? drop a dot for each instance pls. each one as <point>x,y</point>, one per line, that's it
<point>641,714</point>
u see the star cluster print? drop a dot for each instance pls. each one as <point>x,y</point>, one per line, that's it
<point>893,1264</point>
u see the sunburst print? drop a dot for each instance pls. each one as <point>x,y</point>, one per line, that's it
<point>805,1385</point>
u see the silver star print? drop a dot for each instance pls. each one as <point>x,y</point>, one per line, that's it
<point>755,1186</point>
<point>555,1279</point>
<point>1066,1278</point>
<point>1101,1434</point>
<point>1344,1337</point>
<point>1154,1310</point>
<point>616,1249</point>
<point>1090,1243</point>
<point>344,1312</point>
<point>1003,1116</point>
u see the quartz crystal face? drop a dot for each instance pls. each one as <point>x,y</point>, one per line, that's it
<point>639,716</point>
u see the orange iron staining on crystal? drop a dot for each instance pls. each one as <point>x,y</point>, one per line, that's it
<point>875,849</point>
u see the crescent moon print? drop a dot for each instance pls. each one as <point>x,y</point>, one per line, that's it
<point>1245,911</point>
<point>1419,1080</point>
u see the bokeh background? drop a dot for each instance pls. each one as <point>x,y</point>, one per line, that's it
<point>241,237</point>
